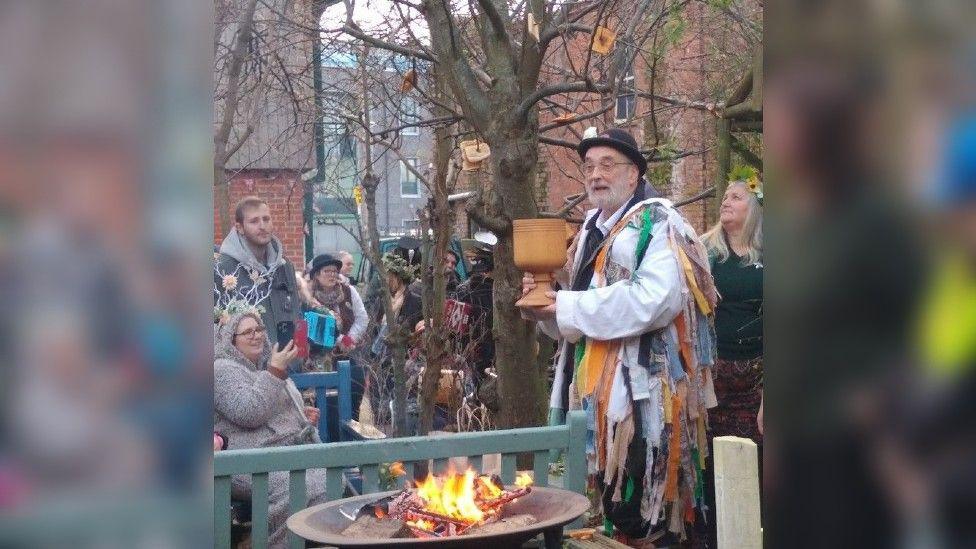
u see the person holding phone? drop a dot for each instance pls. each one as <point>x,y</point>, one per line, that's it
<point>257,406</point>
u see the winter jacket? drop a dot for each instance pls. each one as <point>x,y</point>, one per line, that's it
<point>251,406</point>
<point>283,302</point>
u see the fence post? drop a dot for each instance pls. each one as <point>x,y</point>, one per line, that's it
<point>737,493</point>
<point>575,478</point>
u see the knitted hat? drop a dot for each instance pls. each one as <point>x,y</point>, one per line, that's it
<point>618,139</point>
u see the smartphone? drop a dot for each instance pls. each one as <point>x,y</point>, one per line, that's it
<point>301,338</point>
<point>286,333</point>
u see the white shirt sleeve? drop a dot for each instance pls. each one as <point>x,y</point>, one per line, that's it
<point>629,307</point>
<point>361,319</point>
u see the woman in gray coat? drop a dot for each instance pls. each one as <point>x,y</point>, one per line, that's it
<point>257,406</point>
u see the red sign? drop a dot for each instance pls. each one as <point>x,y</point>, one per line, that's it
<point>457,315</point>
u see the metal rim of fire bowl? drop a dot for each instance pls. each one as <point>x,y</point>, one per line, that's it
<point>300,523</point>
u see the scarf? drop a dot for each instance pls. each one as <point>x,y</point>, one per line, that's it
<point>337,300</point>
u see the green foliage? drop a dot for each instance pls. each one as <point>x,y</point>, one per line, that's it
<point>720,4</point>
<point>659,172</point>
<point>674,29</point>
<point>743,173</point>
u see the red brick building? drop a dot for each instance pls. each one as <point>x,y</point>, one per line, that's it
<point>283,191</point>
<point>689,70</point>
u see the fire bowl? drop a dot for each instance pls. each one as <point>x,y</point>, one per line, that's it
<point>553,508</point>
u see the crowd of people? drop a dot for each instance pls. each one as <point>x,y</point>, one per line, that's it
<point>679,362</point>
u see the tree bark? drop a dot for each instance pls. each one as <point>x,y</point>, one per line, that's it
<point>521,385</point>
<point>441,226</point>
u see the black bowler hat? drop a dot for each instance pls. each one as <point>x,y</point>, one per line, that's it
<point>324,260</point>
<point>618,139</point>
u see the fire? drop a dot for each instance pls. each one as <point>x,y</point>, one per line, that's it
<point>452,497</point>
<point>466,497</point>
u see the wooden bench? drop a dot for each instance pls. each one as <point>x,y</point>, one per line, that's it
<point>368,455</point>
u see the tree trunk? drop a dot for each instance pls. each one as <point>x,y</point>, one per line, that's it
<point>440,223</point>
<point>521,385</point>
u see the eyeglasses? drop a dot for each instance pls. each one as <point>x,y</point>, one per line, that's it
<point>605,165</point>
<point>329,271</point>
<point>251,332</point>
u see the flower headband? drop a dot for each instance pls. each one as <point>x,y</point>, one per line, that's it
<point>750,176</point>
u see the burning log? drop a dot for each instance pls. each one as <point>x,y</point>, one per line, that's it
<point>507,497</point>
<point>500,527</point>
<point>369,526</point>
<point>447,506</point>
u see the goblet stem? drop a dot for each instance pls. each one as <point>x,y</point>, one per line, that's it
<point>537,297</point>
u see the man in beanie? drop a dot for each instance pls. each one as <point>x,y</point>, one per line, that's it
<point>633,318</point>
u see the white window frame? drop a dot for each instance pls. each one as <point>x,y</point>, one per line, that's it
<point>406,176</point>
<point>630,97</point>
<point>409,116</point>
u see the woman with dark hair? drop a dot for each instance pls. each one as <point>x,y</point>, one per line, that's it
<point>328,291</point>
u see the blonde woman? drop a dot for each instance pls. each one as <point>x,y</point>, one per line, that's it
<point>735,249</point>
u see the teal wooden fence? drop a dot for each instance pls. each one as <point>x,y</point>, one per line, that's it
<point>368,455</point>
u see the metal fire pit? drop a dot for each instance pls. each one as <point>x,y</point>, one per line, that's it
<point>553,508</point>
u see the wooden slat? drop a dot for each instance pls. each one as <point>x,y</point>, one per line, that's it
<point>349,454</point>
<point>221,512</point>
<point>540,468</point>
<point>333,483</point>
<point>371,478</point>
<point>345,391</point>
<point>475,463</point>
<point>508,468</point>
<point>259,510</point>
<point>440,466</point>
<point>297,501</point>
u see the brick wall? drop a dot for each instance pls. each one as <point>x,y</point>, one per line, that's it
<point>283,191</point>
<point>681,73</point>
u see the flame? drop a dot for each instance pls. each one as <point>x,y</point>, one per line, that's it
<point>396,469</point>
<point>454,496</point>
<point>463,497</point>
<point>422,524</point>
<point>523,480</point>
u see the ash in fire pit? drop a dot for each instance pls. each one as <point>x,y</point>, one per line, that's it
<point>453,505</point>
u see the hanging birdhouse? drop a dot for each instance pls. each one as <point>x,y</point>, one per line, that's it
<point>409,81</point>
<point>603,40</point>
<point>473,153</point>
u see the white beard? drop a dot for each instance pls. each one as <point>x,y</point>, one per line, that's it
<point>609,202</point>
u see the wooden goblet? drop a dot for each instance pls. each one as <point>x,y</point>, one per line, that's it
<point>540,248</point>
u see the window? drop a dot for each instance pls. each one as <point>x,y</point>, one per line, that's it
<point>411,226</point>
<point>409,116</point>
<point>408,179</point>
<point>627,99</point>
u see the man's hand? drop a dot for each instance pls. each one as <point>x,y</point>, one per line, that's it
<point>547,312</point>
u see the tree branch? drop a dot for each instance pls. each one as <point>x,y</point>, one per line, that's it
<point>704,194</point>
<point>353,30</point>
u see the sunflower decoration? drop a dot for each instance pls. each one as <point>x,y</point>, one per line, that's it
<point>749,176</point>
